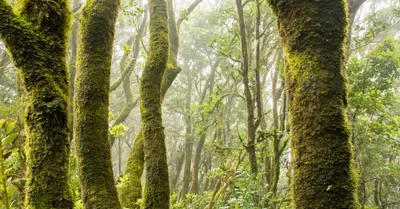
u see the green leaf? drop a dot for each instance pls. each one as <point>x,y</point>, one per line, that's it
<point>8,153</point>
<point>10,127</point>
<point>127,49</point>
<point>9,139</point>
<point>2,122</point>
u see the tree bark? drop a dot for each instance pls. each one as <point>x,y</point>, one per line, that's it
<point>188,141</point>
<point>168,77</point>
<point>130,188</point>
<point>37,44</point>
<point>156,192</point>
<point>251,126</point>
<point>72,68</point>
<point>313,34</point>
<point>97,24</point>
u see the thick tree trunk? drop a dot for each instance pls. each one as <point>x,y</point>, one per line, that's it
<point>93,148</point>
<point>156,192</point>
<point>313,35</point>
<point>37,44</point>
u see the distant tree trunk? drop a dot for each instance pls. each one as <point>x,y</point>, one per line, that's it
<point>251,126</point>
<point>156,192</point>
<point>194,188</point>
<point>178,169</point>
<point>353,7</point>
<point>97,24</point>
<point>37,44</point>
<point>72,68</point>
<point>188,141</point>
<point>125,79</point>
<point>277,136</point>
<point>313,34</point>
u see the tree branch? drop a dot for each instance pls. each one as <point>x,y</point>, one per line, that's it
<point>189,10</point>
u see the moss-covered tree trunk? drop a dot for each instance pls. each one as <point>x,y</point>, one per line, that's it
<point>91,102</point>
<point>37,44</point>
<point>131,187</point>
<point>156,192</point>
<point>313,34</point>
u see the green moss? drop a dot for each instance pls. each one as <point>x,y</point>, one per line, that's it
<point>156,193</point>
<point>91,103</point>
<point>313,34</point>
<point>130,188</point>
<point>38,50</point>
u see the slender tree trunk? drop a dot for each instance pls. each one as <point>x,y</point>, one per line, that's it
<point>168,77</point>
<point>188,141</point>
<point>313,34</point>
<point>93,148</point>
<point>276,138</point>
<point>37,44</point>
<point>156,192</point>
<point>72,68</point>
<point>194,188</point>
<point>178,169</point>
<point>376,192</point>
<point>251,127</point>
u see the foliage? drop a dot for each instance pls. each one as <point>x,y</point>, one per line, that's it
<point>7,136</point>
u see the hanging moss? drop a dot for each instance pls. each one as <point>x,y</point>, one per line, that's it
<point>93,148</point>
<point>313,34</point>
<point>37,44</point>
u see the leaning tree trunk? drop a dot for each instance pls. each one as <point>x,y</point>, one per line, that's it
<point>313,34</point>
<point>131,186</point>
<point>37,44</point>
<point>156,192</point>
<point>91,101</point>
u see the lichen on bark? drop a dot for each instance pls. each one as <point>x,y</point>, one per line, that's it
<point>97,25</point>
<point>313,34</point>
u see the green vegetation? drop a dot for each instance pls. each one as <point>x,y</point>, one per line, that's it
<point>199,104</point>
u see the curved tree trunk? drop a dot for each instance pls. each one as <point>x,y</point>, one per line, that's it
<point>313,35</point>
<point>156,192</point>
<point>37,44</point>
<point>167,79</point>
<point>92,101</point>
